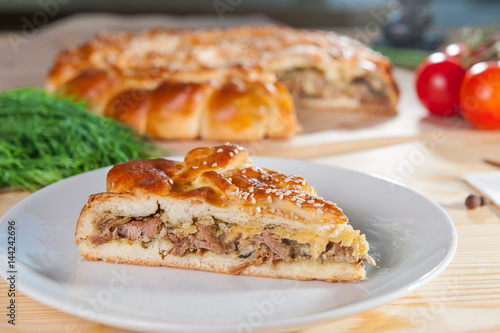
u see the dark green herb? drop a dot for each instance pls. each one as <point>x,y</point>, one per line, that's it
<point>45,138</point>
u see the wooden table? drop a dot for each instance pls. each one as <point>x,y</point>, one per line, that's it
<point>464,298</point>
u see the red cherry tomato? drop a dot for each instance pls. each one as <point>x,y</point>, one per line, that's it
<point>480,95</point>
<point>438,80</point>
<point>456,51</point>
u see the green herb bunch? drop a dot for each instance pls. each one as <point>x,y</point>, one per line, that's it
<point>45,138</point>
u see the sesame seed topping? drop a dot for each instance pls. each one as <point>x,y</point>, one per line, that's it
<point>268,191</point>
<point>298,205</point>
<point>230,179</point>
<point>310,201</point>
<point>320,211</point>
<point>204,162</point>
<point>273,210</point>
<point>244,171</point>
<point>317,204</point>
<point>231,154</point>
<point>195,167</point>
<point>170,181</point>
<point>258,209</point>
<point>250,189</point>
<point>281,196</point>
<point>220,150</point>
<point>269,198</point>
<point>287,180</point>
<point>214,165</point>
<point>288,192</point>
<point>253,200</point>
<point>236,151</point>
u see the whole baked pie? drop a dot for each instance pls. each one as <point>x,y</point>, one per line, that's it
<point>240,83</point>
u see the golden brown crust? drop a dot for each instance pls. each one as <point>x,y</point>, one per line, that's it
<point>226,78</point>
<point>222,175</point>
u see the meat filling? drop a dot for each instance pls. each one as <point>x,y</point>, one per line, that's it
<point>310,82</point>
<point>258,249</point>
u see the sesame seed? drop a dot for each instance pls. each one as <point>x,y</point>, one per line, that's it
<point>288,192</point>
<point>214,165</point>
<point>320,211</point>
<point>281,196</point>
<point>244,171</point>
<point>231,154</point>
<point>317,204</point>
<point>250,189</point>
<point>195,167</point>
<point>204,162</point>
<point>269,199</point>
<point>277,180</point>
<point>258,209</point>
<point>253,200</point>
<point>310,201</point>
<point>230,179</point>
<point>274,190</point>
<point>236,151</point>
<point>268,191</point>
<point>273,210</point>
<point>170,181</point>
<point>287,180</point>
<point>220,150</point>
<point>304,182</point>
<point>298,205</point>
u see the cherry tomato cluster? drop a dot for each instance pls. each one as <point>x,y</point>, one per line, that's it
<point>461,80</point>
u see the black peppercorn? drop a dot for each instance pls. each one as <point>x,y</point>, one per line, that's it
<point>474,201</point>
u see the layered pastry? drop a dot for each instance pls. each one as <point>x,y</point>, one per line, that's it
<point>216,211</point>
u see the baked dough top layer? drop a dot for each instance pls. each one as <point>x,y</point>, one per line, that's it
<point>255,53</point>
<point>224,176</point>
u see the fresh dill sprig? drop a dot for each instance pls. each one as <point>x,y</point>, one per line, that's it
<point>45,137</point>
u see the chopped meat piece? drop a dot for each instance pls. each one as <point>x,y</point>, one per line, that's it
<point>206,239</point>
<point>138,229</point>
<point>280,249</point>
<point>182,245</point>
<point>113,220</point>
<point>98,239</point>
<point>338,253</point>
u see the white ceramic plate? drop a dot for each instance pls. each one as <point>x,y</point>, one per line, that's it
<point>411,238</point>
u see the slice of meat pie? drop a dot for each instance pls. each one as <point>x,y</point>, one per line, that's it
<point>217,212</point>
